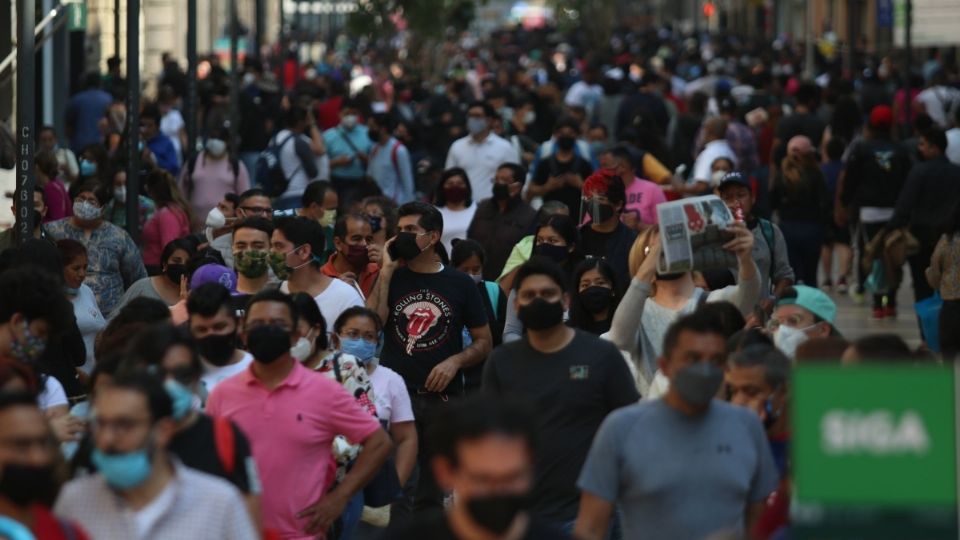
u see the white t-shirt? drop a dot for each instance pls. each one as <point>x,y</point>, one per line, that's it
<point>481,160</point>
<point>390,396</point>
<point>456,223</point>
<point>334,300</point>
<point>214,375</point>
<point>170,125</point>
<point>145,518</point>
<point>953,145</point>
<point>89,321</point>
<point>713,151</point>
<point>941,103</point>
<point>52,394</point>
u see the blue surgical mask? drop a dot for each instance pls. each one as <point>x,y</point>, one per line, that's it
<point>362,349</point>
<point>87,168</point>
<point>181,396</point>
<point>123,471</point>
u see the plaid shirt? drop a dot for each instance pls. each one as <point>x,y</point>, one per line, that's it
<point>743,143</point>
<point>202,506</point>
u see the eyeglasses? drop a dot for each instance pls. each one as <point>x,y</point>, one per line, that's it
<point>282,323</point>
<point>121,426</point>
<point>793,321</point>
<point>257,210</point>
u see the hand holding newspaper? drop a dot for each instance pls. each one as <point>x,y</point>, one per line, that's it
<point>692,234</point>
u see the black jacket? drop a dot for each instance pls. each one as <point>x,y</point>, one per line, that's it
<point>929,197</point>
<point>875,174</point>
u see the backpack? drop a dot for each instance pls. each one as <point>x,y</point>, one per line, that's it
<point>225,443</point>
<point>270,169</point>
<point>766,229</point>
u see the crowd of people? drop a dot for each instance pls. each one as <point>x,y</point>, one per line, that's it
<point>406,307</point>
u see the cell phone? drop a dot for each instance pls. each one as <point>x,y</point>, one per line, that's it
<point>392,251</point>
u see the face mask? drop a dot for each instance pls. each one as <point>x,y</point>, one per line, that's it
<point>362,349</point>
<point>716,177</point>
<point>357,255</point>
<point>217,349</point>
<point>250,264</point>
<point>87,168</point>
<point>698,383</point>
<point>540,314</point>
<point>596,299</point>
<point>120,194</point>
<point>329,218</point>
<point>24,485</point>
<point>501,192</point>
<point>181,396</point>
<point>267,343</point>
<point>787,339</point>
<point>670,277</point>
<point>374,224</point>
<point>123,471</point>
<point>175,272</point>
<point>529,117</point>
<point>278,263</point>
<point>374,135</point>
<point>405,246</point>
<point>301,350</point>
<point>455,194</point>
<point>476,126</point>
<point>557,254</point>
<point>215,218</point>
<point>216,147</point>
<point>496,513</point>
<point>477,278</point>
<point>566,143</point>
<point>350,121</point>
<point>71,291</point>
<point>599,212</point>
<point>86,210</point>
<point>30,349</point>
<point>249,78</point>
<point>596,148</point>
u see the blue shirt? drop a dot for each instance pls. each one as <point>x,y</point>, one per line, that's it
<point>335,139</point>
<point>166,154</point>
<point>84,111</point>
<point>391,170</point>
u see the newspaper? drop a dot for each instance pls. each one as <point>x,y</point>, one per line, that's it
<point>692,233</point>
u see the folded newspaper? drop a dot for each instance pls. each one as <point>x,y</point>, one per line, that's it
<point>692,233</point>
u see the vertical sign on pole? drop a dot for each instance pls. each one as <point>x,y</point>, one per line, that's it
<point>190,108</point>
<point>908,62</point>
<point>23,200</point>
<point>133,119</point>
<point>234,78</point>
<point>116,28</point>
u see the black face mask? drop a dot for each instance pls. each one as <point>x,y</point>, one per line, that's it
<point>600,212</point>
<point>557,254</point>
<point>501,192</point>
<point>24,485</point>
<point>566,143</point>
<point>374,135</point>
<point>405,247</point>
<point>175,271</point>
<point>596,299</point>
<point>540,314</point>
<point>217,349</point>
<point>496,513</point>
<point>374,224</point>
<point>670,277</point>
<point>267,343</point>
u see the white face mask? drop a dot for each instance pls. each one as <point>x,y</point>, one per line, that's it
<point>350,121</point>
<point>787,339</point>
<point>215,218</point>
<point>120,194</point>
<point>477,278</point>
<point>86,210</point>
<point>529,117</point>
<point>302,350</point>
<point>717,176</point>
<point>216,147</point>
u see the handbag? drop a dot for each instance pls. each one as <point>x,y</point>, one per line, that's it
<point>928,311</point>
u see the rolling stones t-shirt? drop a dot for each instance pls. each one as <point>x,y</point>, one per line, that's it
<point>427,313</point>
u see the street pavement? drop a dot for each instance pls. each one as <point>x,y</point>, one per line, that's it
<point>854,320</point>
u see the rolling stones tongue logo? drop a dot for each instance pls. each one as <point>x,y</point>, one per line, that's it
<point>421,317</point>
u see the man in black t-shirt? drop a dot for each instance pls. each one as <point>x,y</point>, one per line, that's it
<point>604,199</point>
<point>559,175</point>
<point>425,304</point>
<point>574,378</point>
<point>485,454</point>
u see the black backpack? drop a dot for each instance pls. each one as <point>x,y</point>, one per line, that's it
<point>270,169</point>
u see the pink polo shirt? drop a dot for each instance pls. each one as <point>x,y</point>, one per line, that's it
<point>643,196</point>
<point>291,429</point>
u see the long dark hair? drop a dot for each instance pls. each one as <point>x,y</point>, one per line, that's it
<point>440,199</point>
<point>164,191</point>
<point>579,316</point>
<point>567,228</point>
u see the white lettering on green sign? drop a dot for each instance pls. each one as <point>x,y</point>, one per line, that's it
<point>880,432</point>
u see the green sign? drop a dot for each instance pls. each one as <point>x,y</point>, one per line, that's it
<point>883,436</point>
<point>77,16</point>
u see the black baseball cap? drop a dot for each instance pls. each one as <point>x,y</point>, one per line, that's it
<point>734,177</point>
